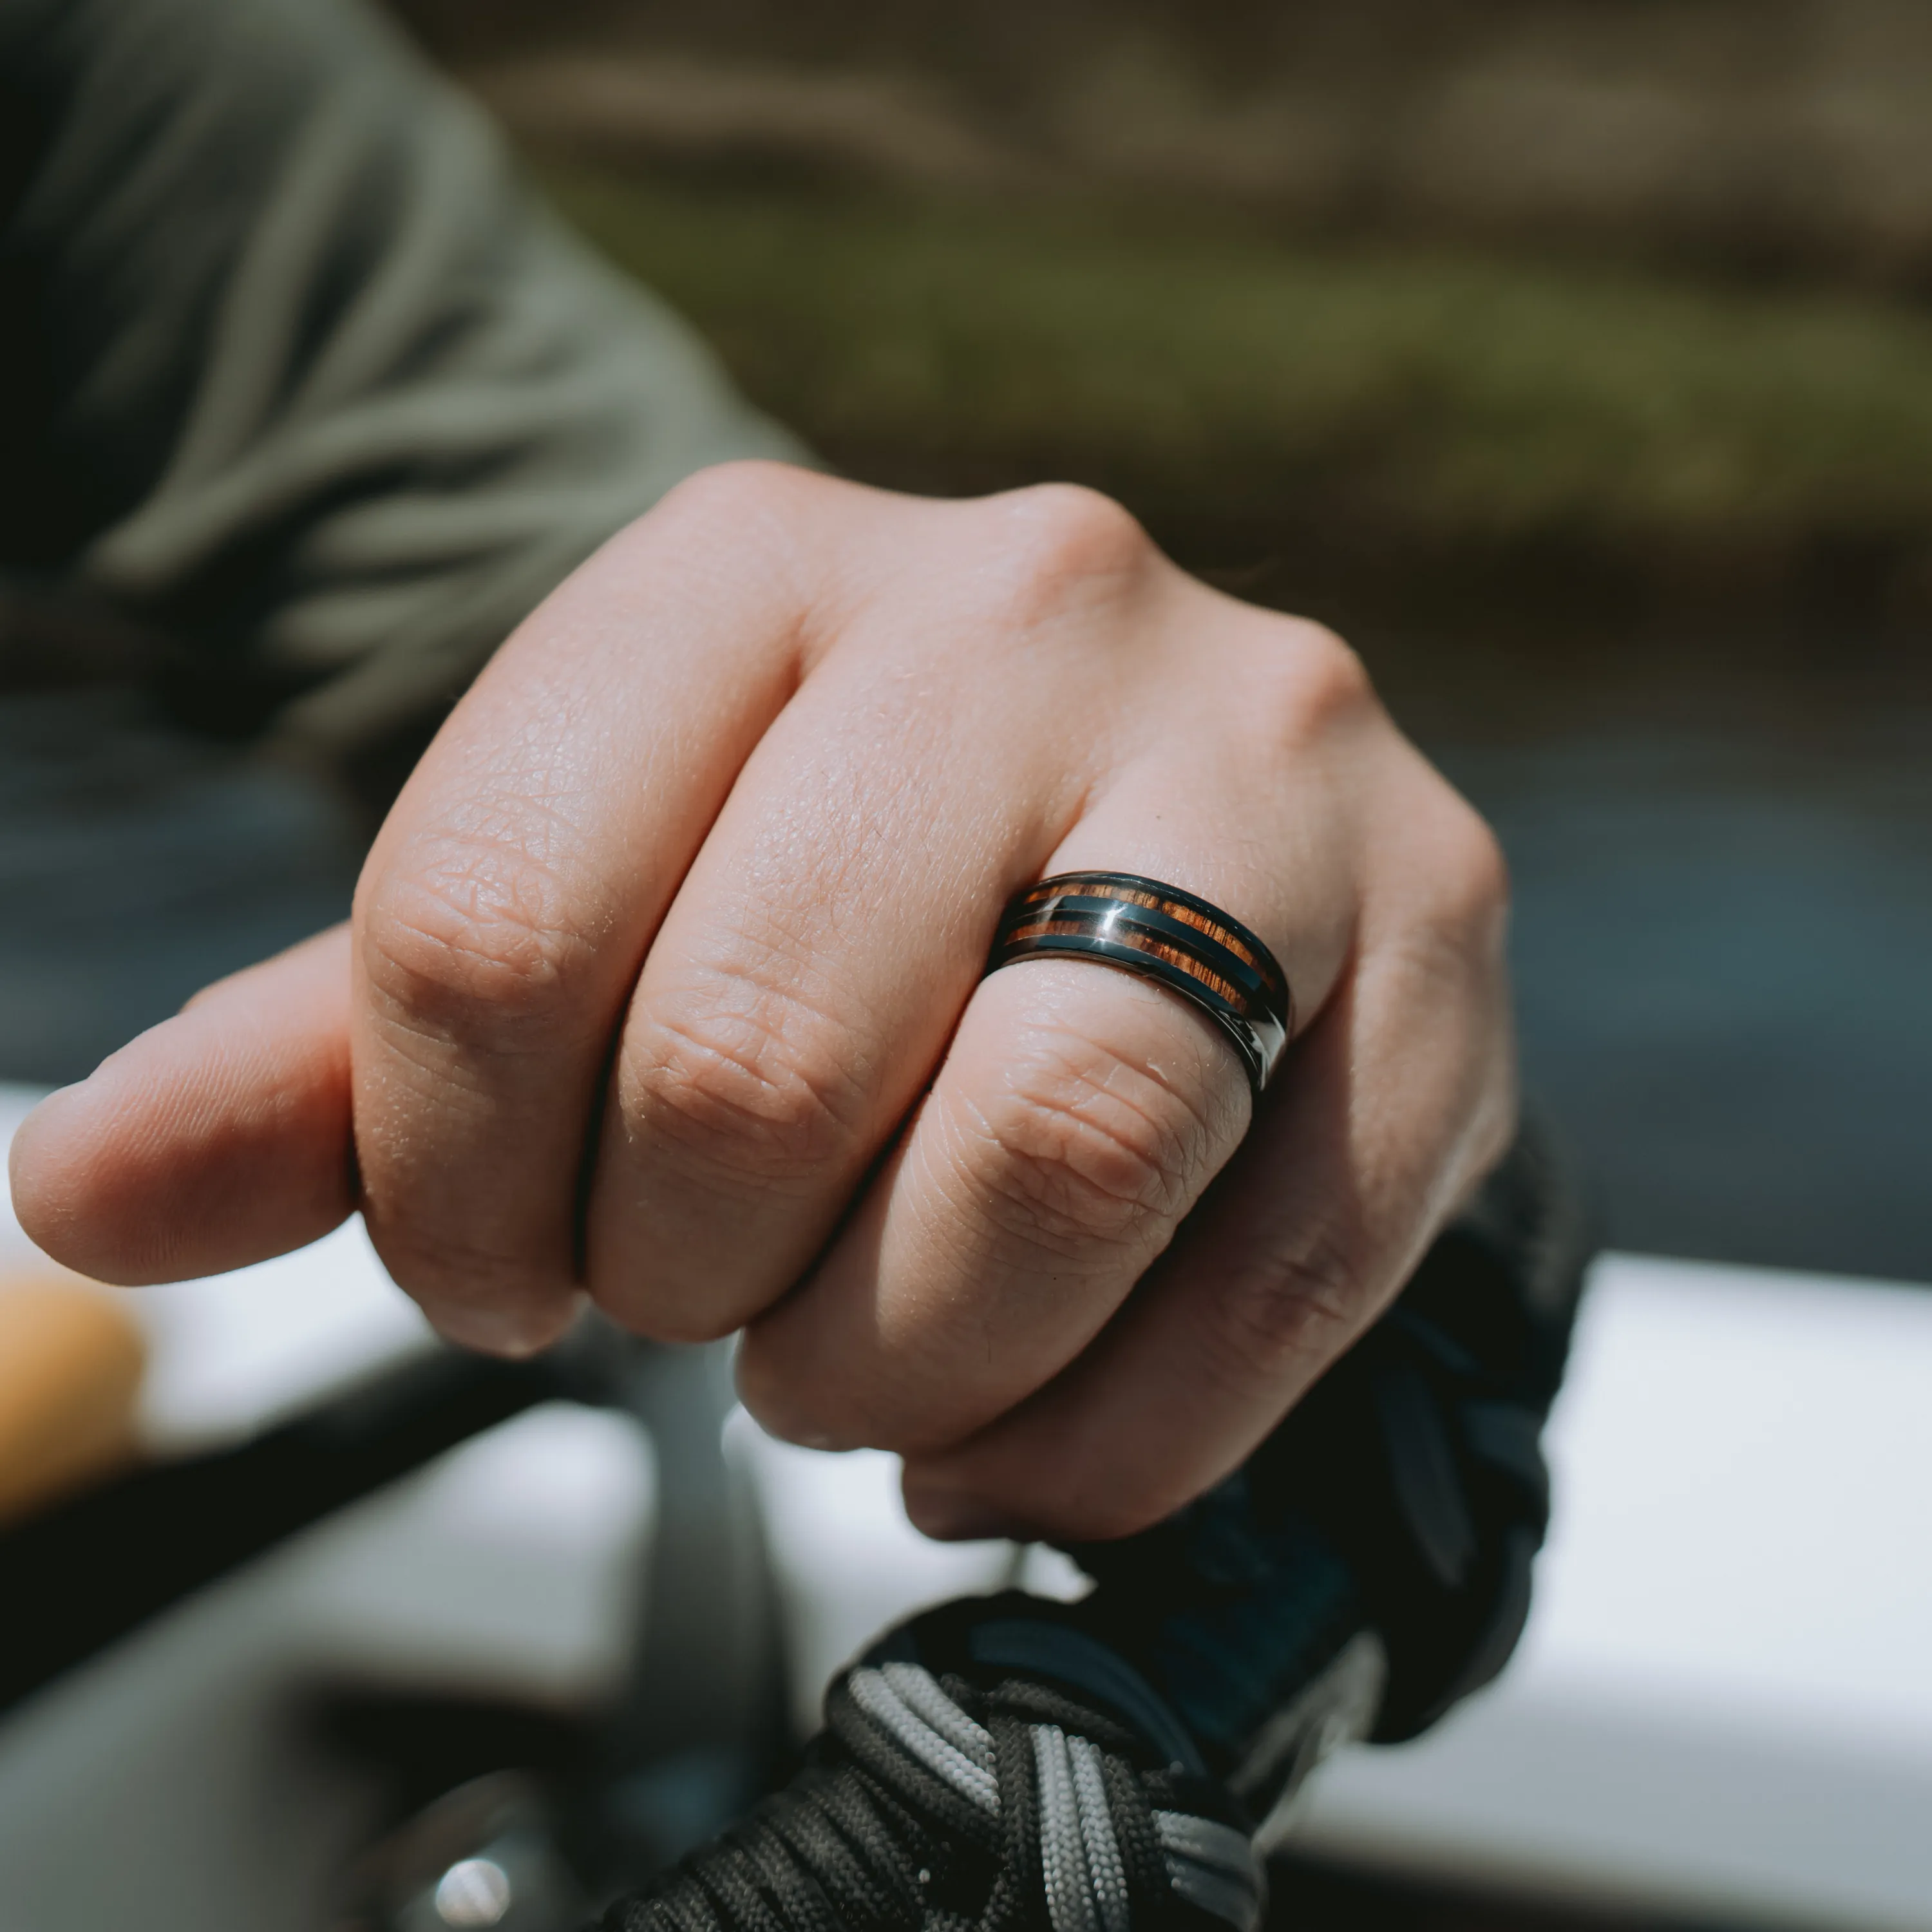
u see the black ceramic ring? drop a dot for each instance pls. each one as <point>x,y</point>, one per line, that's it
<point>1190,947</point>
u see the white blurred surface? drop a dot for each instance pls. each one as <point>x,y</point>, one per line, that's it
<point>230,1354</point>
<point>515,1564</point>
<point>1745,1464</point>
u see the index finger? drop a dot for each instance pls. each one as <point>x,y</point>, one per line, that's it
<point>508,906</point>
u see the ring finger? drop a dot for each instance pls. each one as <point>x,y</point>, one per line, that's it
<point>1080,1113</point>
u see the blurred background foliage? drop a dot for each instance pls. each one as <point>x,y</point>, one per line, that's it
<point>1573,357</point>
<point>1521,283</point>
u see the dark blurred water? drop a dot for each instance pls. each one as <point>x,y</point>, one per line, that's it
<point>1723,958</point>
<point>136,864</point>
<point>1724,933</point>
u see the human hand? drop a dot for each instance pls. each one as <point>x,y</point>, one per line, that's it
<point>663,986</point>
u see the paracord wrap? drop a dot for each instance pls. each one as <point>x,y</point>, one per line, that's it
<point>1007,1765</point>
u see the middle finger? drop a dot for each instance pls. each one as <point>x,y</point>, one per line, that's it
<point>804,983</point>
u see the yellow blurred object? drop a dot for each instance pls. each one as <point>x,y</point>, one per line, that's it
<point>71,1358</point>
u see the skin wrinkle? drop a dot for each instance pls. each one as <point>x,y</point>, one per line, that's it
<point>1010,1190</point>
<point>448,987</point>
<point>975,1145</point>
<point>781,962</point>
<point>1116,1084</point>
<point>1290,1310</point>
<point>1300,1304</point>
<point>651,1087</point>
<point>778,962</point>
<point>916,1343</point>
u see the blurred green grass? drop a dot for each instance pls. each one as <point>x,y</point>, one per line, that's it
<point>1203,371</point>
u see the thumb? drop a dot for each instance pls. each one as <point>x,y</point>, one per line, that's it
<point>219,1137</point>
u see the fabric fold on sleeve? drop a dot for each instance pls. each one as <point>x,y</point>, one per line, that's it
<point>305,381</point>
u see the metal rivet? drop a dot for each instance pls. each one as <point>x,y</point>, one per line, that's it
<point>475,1892</point>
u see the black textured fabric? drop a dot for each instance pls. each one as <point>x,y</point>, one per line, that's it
<point>1419,1456</point>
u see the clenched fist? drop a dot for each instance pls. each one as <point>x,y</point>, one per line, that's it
<point>664,987</point>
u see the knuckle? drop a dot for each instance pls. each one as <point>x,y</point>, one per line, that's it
<point>1495,1121</point>
<point>1474,874</point>
<point>1080,1149</point>
<point>1055,541</point>
<point>1314,687</point>
<point>1289,1312</point>
<point>1452,930</point>
<point>744,1084</point>
<point>748,489</point>
<point>1071,527</point>
<point>475,938</point>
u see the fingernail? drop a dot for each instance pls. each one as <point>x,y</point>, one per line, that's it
<point>514,1333</point>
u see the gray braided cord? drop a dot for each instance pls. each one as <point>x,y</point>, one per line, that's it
<point>1212,1866</point>
<point>1104,1866</point>
<point>920,1689</point>
<point>1070,1900</point>
<point>875,1695</point>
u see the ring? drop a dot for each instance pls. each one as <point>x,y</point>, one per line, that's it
<point>1190,947</point>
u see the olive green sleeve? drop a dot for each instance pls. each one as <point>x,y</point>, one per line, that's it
<point>292,371</point>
